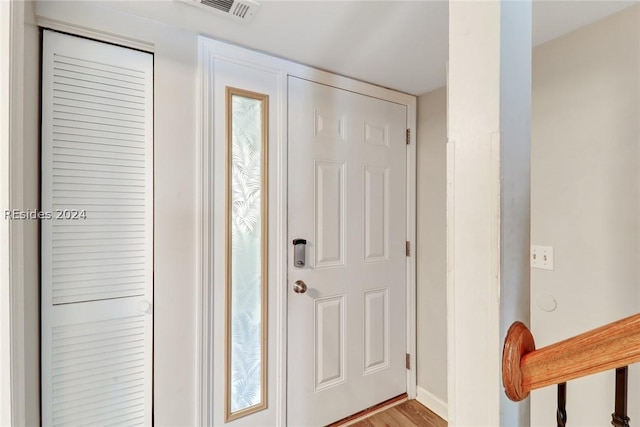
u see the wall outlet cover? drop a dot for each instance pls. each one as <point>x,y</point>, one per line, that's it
<point>542,257</point>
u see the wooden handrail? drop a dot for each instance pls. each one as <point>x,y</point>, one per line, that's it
<point>609,347</point>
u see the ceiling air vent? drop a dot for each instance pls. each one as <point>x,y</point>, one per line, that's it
<point>239,10</point>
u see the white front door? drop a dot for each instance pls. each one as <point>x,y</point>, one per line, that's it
<point>347,199</point>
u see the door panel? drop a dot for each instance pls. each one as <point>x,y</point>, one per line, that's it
<point>329,342</point>
<point>376,214</point>
<point>97,246</point>
<point>347,198</point>
<point>329,213</point>
<point>376,330</point>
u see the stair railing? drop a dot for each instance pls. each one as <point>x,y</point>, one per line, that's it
<point>613,346</point>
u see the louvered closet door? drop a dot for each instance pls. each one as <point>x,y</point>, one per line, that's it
<point>97,249</point>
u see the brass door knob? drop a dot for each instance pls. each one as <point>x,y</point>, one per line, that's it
<point>299,287</point>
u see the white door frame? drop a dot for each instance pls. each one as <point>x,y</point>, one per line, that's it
<point>12,340</point>
<point>209,51</point>
<point>5,247</point>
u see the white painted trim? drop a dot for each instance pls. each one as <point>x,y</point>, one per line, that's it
<point>91,33</point>
<point>13,245</point>
<point>412,375</point>
<point>208,50</point>
<point>5,179</point>
<point>204,250</point>
<point>451,282</point>
<point>239,55</point>
<point>433,402</point>
<point>281,258</point>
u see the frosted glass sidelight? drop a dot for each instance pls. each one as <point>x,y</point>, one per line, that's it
<point>246,252</point>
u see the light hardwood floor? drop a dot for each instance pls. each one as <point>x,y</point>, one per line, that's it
<point>407,414</point>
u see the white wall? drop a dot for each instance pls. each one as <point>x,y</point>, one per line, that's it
<point>585,198</point>
<point>431,254</point>
<point>175,97</point>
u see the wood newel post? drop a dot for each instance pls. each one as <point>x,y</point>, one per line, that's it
<point>518,342</point>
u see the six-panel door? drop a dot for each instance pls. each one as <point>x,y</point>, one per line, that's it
<point>347,188</point>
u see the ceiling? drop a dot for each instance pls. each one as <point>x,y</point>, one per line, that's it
<point>398,44</point>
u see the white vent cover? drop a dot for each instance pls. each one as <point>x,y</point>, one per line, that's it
<point>239,10</point>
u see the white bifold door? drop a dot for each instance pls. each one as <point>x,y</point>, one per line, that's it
<point>347,291</point>
<point>97,233</point>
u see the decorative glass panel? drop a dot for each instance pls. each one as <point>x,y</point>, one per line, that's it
<point>246,252</point>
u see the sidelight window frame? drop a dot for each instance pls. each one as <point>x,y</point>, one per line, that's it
<point>232,92</point>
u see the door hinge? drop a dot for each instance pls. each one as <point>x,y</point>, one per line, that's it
<point>408,361</point>
<point>408,136</point>
<point>408,249</point>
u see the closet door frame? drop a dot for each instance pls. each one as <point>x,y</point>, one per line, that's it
<point>13,379</point>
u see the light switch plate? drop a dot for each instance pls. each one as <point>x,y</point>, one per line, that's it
<point>542,257</point>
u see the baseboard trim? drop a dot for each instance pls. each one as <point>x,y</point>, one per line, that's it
<point>434,403</point>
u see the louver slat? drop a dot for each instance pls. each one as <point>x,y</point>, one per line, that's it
<point>97,370</point>
<point>126,91</point>
<point>223,5</point>
<point>97,158</point>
